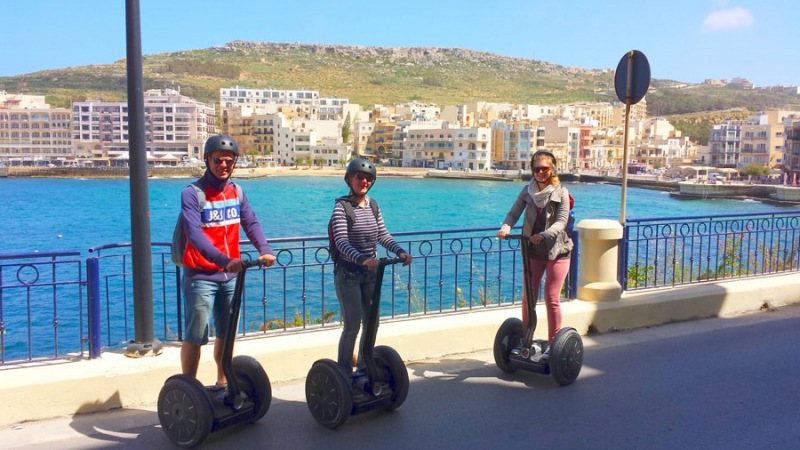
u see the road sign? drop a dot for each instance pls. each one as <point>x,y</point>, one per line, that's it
<point>632,78</point>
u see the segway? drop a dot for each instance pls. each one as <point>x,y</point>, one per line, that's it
<point>333,395</point>
<point>515,348</point>
<point>189,411</point>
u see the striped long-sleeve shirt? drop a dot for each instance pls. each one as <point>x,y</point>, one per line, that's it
<point>365,235</point>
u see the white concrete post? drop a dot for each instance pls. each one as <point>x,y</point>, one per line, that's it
<point>597,268</point>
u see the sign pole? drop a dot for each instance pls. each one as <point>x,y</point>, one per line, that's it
<point>628,89</point>
<point>631,81</point>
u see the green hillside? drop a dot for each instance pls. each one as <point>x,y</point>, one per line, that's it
<point>378,75</point>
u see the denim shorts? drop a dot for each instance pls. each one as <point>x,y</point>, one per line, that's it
<point>199,297</point>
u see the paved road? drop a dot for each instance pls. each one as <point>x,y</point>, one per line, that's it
<point>710,384</point>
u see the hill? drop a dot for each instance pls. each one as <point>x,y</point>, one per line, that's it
<point>370,75</point>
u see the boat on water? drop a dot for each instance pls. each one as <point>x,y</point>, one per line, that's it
<point>500,175</point>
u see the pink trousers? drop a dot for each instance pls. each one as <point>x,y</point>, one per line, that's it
<point>555,272</point>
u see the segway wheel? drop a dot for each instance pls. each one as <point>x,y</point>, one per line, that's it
<point>254,382</point>
<point>184,411</point>
<point>329,393</point>
<point>392,371</point>
<point>508,335</point>
<point>566,356</point>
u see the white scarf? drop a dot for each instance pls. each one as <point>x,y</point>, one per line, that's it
<point>540,198</point>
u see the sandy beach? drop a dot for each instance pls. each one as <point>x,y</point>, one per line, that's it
<point>196,171</point>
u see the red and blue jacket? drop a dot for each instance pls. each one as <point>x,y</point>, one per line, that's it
<point>213,233</point>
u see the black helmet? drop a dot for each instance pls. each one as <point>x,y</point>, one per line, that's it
<point>544,152</point>
<point>361,165</point>
<point>220,142</point>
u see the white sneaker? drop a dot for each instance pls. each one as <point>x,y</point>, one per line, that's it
<point>545,356</point>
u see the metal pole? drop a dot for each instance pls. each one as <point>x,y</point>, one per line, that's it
<point>628,93</point>
<point>145,343</point>
<point>93,289</point>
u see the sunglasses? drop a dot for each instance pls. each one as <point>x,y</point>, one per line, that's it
<point>541,169</point>
<point>225,161</point>
<point>364,177</point>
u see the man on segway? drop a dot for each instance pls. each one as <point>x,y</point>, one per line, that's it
<point>211,258</point>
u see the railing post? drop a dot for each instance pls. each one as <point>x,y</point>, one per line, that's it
<point>93,304</point>
<point>179,293</point>
<point>622,275</point>
<point>572,293</point>
<point>599,261</point>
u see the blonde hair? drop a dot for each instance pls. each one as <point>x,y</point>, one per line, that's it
<point>553,180</point>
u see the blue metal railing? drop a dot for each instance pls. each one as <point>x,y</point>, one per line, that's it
<point>452,270</point>
<point>675,251</point>
<point>41,305</point>
<point>51,309</point>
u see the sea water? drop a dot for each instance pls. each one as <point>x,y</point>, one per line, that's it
<point>47,215</point>
<point>42,214</point>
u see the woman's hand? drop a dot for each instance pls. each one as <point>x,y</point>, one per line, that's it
<point>371,264</point>
<point>406,257</point>
<point>503,231</point>
<point>536,238</point>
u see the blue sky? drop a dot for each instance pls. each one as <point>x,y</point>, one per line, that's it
<point>684,40</point>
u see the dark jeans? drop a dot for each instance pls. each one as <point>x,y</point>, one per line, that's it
<point>355,291</point>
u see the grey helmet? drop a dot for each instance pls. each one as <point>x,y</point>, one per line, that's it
<point>220,142</point>
<point>361,165</point>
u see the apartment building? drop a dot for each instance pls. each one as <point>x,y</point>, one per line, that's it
<point>428,147</point>
<point>306,102</point>
<point>756,140</point>
<point>562,139</point>
<point>791,161</point>
<point>380,143</point>
<point>471,149</point>
<point>176,127</point>
<point>310,141</point>
<point>514,143</point>
<point>34,135</point>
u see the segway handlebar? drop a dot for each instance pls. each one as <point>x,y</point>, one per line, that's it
<point>388,261</point>
<point>252,263</point>
<point>520,237</point>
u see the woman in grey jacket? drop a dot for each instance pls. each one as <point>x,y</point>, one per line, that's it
<point>545,203</point>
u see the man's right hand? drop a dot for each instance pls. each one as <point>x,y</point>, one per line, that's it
<point>234,266</point>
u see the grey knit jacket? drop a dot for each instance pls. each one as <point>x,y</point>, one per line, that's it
<point>556,238</point>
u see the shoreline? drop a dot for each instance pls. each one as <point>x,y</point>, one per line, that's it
<point>197,171</point>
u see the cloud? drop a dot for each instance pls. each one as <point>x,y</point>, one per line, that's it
<point>728,19</point>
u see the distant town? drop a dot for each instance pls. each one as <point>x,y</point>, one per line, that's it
<point>298,127</point>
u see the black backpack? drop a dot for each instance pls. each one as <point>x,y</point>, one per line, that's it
<point>179,236</point>
<point>350,213</point>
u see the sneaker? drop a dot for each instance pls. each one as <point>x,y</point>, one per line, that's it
<point>516,351</point>
<point>545,356</point>
<point>218,387</point>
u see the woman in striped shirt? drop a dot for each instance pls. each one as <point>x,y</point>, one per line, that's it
<point>356,247</point>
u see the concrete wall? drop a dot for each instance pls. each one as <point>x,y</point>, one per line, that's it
<point>51,389</point>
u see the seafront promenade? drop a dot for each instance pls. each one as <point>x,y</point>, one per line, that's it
<point>724,372</point>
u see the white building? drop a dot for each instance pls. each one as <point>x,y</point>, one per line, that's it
<point>34,134</point>
<point>176,126</point>
<point>307,102</point>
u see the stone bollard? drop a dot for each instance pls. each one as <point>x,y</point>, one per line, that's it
<point>597,266</point>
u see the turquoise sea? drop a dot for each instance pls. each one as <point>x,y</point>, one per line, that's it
<point>41,214</point>
<point>47,215</point>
